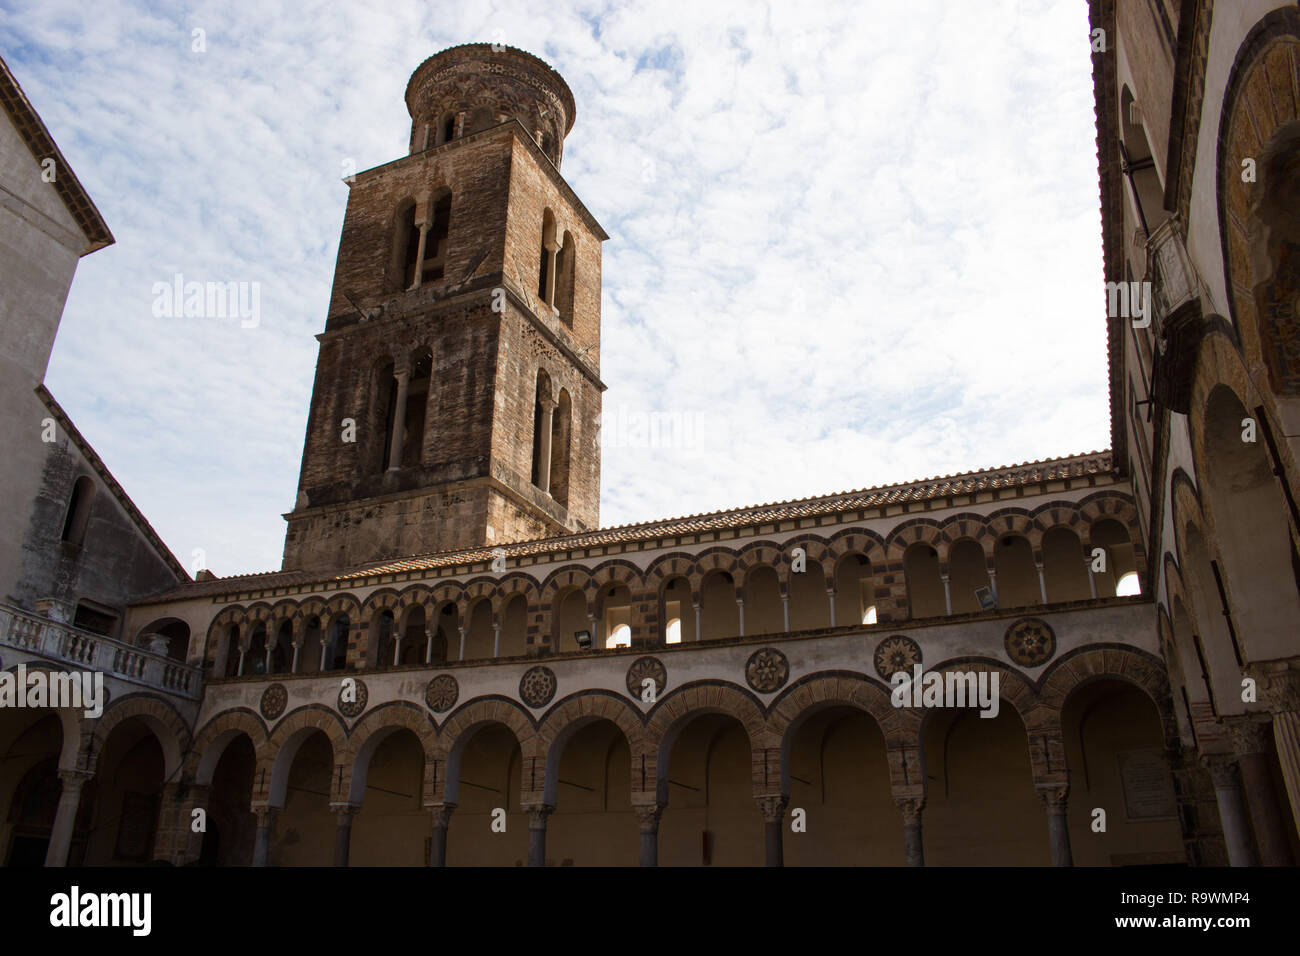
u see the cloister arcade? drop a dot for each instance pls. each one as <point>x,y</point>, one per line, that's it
<point>965,564</point>
<point>708,775</point>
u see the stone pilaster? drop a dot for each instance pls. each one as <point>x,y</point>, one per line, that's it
<point>1232,810</point>
<point>1250,742</point>
<point>1279,690</point>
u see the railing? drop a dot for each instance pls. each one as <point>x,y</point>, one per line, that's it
<point>50,639</point>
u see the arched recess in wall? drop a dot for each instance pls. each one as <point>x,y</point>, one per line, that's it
<point>383,628</point>
<point>446,128</point>
<point>438,239</point>
<point>1212,634</point>
<point>1258,223</point>
<point>968,575</point>
<point>678,606</point>
<point>1116,545</point>
<point>406,241</point>
<point>561,446</point>
<point>1252,530</point>
<point>719,613</point>
<point>341,628</point>
<point>763,612</point>
<point>543,429</point>
<point>1147,193</point>
<point>924,586</point>
<point>383,410</point>
<point>546,268</point>
<point>415,637</point>
<point>1064,571</point>
<point>514,627</point>
<point>417,404</point>
<point>77,517</point>
<point>1017,584</point>
<point>564,278</point>
<point>615,602</point>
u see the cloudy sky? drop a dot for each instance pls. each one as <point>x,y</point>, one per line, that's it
<point>851,244</point>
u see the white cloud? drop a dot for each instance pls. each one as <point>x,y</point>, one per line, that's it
<point>862,239</point>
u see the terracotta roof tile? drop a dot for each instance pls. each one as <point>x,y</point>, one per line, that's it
<point>927,489</point>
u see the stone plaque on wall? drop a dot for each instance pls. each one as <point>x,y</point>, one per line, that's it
<point>1148,786</point>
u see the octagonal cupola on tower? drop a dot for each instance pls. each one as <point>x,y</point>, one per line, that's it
<point>469,88</point>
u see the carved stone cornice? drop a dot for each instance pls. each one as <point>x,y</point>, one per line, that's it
<point>1278,683</point>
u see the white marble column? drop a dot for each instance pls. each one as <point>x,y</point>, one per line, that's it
<point>65,817</point>
<point>399,420</point>
<point>419,255</point>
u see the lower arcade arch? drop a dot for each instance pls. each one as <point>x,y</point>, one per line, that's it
<point>835,769</point>
<point>981,808</point>
<point>1113,732</point>
<point>304,830</point>
<point>392,825</point>
<point>589,782</point>
<point>484,772</point>
<point>711,817</point>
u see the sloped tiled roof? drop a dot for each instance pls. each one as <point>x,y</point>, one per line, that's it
<point>30,127</point>
<point>928,489</point>
<point>1101,16</point>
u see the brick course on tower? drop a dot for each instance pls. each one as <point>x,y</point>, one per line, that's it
<point>467,292</point>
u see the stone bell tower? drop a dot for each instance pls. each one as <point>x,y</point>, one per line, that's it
<point>458,391</point>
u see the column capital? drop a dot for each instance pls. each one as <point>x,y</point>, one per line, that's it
<point>265,814</point>
<point>345,809</point>
<point>1249,734</point>
<point>772,807</point>
<point>648,816</point>
<point>1223,771</point>
<point>548,404</point>
<point>441,814</point>
<point>75,779</point>
<point>911,808</point>
<point>537,814</point>
<point>1054,796</point>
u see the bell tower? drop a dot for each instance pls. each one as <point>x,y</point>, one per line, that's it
<point>458,392</point>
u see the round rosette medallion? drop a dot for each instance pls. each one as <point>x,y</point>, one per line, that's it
<point>647,669</point>
<point>352,697</point>
<point>767,670</point>
<point>896,653</point>
<point>274,699</point>
<point>442,693</point>
<point>1030,642</point>
<point>537,686</point>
